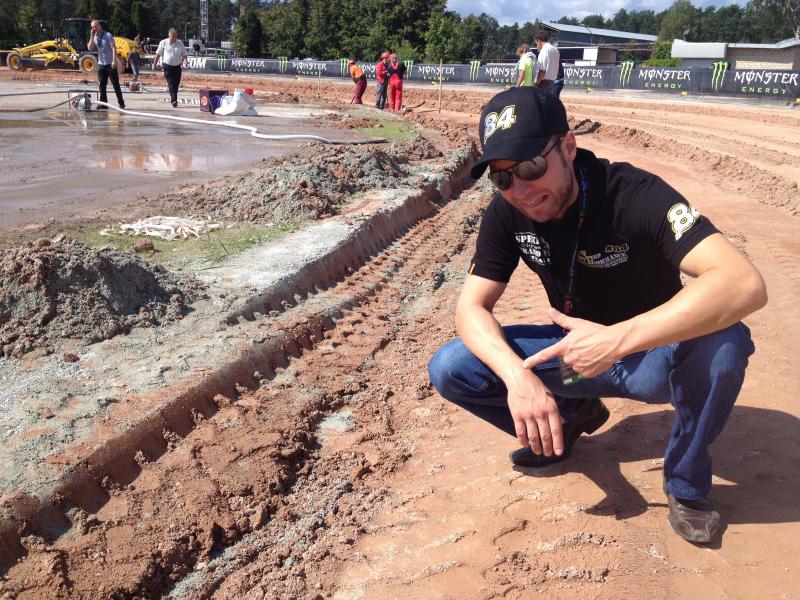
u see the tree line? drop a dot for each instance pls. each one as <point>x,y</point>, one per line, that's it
<point>419,30</point>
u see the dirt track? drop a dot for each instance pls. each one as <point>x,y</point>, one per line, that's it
<point>344,476</point>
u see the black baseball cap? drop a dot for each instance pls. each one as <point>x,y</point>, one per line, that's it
<point>517,123</point>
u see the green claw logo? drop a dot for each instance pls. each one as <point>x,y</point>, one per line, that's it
<point>625,73</point>
<point>342,66</point>
<point>283,63</point>
<point>221,62</point>
<point>474,66</point>
<point>409,66</point>
<point>718,77</point>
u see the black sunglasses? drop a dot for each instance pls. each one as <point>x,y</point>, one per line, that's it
<point>528,170</point>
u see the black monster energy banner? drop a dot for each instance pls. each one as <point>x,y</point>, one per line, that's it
<point>719,79</point>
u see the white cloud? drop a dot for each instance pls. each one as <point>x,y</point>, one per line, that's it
<point>508,12</point>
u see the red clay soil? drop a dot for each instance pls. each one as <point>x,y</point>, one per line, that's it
<point>346,476</point>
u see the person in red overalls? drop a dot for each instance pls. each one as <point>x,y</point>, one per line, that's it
<point>381,76</point>
<point>357,73</point>
<point>397,71</point>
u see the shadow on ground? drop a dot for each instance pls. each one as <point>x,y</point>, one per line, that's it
<point>757,454</point>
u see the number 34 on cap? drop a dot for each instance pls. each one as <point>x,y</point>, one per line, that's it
<point>504,120</point>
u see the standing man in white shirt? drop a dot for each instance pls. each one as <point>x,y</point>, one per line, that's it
<point>173,54</point>
<point>103,42</point>
<point>548,62</point>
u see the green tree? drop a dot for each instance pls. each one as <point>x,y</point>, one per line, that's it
<point>320,35</point>
<point>469,38</point>
<point>790,9</point>
<point>527,31</point>
<point>441,37</point>
<point>644,21</point>
<point>283,24</point>
<point>248,35</point>
<point>221,15</point>
<point>565,20</point>
<point>621,21</point>
<point>492,44</point>
<point>679,21</point>
<point>9,31</point>
<point>121,20</point>
<point>596,21</point>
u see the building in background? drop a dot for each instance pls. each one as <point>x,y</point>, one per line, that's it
<point>784,55</point>
<point>590,46</point>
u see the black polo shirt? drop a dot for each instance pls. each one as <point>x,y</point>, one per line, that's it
<point>636,233</point>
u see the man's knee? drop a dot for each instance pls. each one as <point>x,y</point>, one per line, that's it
<point>440,373</point>
<point>727,351</point>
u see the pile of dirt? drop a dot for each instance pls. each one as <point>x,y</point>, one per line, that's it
<point>60,288</point>
<point>343,121</point>
<point>300,189</point>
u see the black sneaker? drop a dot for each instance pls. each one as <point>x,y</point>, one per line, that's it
<point>122,105</point>
<point>695,521</point>
<point>590,415</point>
<point>174,104</point>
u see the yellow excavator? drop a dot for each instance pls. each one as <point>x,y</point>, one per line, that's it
<point>68,49</point>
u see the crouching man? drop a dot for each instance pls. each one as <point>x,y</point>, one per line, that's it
<point>609,242</point>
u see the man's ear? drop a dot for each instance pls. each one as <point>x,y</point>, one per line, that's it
<point>570,146</point>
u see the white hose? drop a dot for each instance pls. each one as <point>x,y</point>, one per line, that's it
<point>253,130</point>
<point>26,110</point>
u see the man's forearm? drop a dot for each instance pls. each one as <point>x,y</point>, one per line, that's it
<point>482,334</point>
<point>710,303</point>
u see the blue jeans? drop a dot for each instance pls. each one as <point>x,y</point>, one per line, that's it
<point>701,378</point>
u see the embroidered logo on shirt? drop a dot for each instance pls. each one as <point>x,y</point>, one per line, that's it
<point>612,255</point>
<point>681,217</point>
<point>534,247</point>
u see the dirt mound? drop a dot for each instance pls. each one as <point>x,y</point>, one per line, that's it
<point>343,121</point>
<point>61,288</point>
<point>299,189</point>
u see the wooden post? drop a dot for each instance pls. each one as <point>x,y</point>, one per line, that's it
<point>319,85</point>
<point>440,85</point>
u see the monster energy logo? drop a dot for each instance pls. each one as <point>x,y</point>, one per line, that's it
<point>409,66</point>
<point>283,63</point>
<point>625,73</point>
<point>718,76</point>
<point>342,66</point>
<point>220,62</point>
<point>474,65</point>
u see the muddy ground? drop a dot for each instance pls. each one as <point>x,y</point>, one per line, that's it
<point>342,475</point>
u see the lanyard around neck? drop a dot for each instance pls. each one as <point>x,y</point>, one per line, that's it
<point>569,296</point>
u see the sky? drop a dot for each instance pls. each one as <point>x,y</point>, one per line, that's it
<point>519,11</point>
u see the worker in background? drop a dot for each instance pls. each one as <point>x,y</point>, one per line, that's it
<point>358,77</point>
<point>397,71</point>
<point>173,54</point>
<point>526,67</point>
<point>549,58</point>
<point>135,62</point>
<point>103,43</point>
<point>381,77</point>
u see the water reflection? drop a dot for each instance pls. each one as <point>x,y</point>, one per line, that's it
<point>155,161</point>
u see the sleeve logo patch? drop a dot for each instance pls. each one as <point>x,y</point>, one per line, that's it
<point>492,122</point>
<point>681,217</point>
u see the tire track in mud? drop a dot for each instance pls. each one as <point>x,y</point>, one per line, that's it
<point>737,175</point>
<point>255,478</point>
<point>725,139</point>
